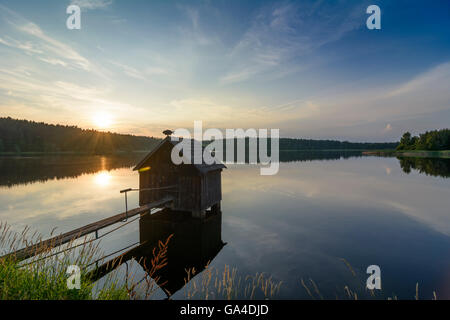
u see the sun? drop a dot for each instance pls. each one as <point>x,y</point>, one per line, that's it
<point>102,120</point>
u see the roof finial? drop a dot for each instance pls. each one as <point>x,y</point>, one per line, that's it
<point>168,132</point>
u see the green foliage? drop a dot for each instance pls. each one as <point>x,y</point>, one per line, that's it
<point>44,277</point>
<point>405,141</point>
<point>49,283</point>
<point>29,136</point>
<point>28,284</point>
<point>430,140</point>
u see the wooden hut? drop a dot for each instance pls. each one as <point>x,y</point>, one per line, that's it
<point>195,187</point>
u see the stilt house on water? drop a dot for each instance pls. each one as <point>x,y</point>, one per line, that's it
<point>194,187</point>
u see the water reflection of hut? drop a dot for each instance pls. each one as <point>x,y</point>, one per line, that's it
<point>194,244</point>
<point>195,187</point>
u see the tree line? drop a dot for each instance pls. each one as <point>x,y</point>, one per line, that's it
<point>430,140</point>
<point>289,144</point>
<point>18,136</point>
<point>28,136</point>
<point>309,144</point>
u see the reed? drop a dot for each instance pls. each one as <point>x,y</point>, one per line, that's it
<point>228,285</point>
<point>43,277</point>
<point>355,292</point>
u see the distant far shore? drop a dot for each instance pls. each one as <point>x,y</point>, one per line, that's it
<point>382,153</point>
<point>61,153</point>
<point>79,153</point>
<point>410,153</point>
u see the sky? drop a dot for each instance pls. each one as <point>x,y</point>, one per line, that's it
<point>309,68</point>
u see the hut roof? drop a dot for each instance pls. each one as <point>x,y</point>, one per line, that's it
<point>203,167</point>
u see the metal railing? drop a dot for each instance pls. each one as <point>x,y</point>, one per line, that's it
<point>125,191</point>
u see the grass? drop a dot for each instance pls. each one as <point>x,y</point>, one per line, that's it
<point>31,283</point>
<point>226,285</point>
<point>44,276</point>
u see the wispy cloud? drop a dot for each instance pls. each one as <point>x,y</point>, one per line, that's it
<point>438,76</point>
<point>32,40</point>
<point>50,45</point>
<point>129,71</point>
<point>92,4</point>
<point>370,109</point>
<point>221,115</point>
<point>193,31</point>
<point>143,74</point>
<point>25,46</point>
<point>27,95</point>
<point>282,32</point>
<point>54,62</point>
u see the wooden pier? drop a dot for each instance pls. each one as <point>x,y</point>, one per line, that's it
<point>48,244</point>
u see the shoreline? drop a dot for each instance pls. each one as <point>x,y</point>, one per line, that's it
<point>62,153</point>
<point>443,154</point>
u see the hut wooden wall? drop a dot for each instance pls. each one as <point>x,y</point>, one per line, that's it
<point>211,189</point>
<point>162,173</point>
<point>189,197</point>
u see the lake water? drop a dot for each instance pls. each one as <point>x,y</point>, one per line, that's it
<point>298,224</point>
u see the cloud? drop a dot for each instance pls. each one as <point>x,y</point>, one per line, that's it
<point>54,62</point>
<point>25,46</point>
<point>218,115</point>
<point>387,128</point>
<point>142,74</point>
<point>92,4</point>
<point>283,32</point>
<point>129,71</point>
<point>28,37</point>
<point>37,42</point>
<point>37,98</point>
<point>426,80</point>
<point>193,33</point>
<point>50,45</point>
<point>358,113</point>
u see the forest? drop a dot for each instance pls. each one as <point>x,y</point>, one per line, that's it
<point>18,136</point>
<point>308,144</point>
<point>431,140</point>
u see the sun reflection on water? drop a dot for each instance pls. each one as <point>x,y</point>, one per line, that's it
<point>102,178</point>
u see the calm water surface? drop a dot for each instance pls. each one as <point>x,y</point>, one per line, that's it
<point>321,207</point>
